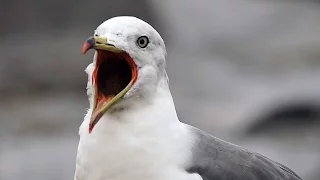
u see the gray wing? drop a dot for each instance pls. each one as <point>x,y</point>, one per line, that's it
<point>214,159</point>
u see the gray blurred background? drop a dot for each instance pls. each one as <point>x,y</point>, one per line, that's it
<point>247,71</point>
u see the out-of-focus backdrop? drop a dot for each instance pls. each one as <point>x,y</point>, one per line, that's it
<point>247,71</point>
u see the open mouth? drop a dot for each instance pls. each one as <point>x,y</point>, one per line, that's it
<point>113,76</point>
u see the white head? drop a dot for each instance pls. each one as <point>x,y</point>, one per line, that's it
<point>129,64</point>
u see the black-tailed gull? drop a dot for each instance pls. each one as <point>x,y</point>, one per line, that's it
<point>131,130</point>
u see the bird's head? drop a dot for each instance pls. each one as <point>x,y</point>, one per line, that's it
<point>129,63</point>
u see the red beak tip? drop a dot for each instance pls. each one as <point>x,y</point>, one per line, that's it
<point>85,48</point>
<point>90,130</point>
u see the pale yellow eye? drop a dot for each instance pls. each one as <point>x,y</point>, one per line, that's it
<point>143,41</point>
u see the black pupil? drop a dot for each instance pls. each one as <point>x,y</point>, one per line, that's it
<point>141,41</point>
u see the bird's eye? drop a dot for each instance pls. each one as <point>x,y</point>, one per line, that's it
<point>143,41</point>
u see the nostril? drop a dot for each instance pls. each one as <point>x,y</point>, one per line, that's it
<point>110,44</point>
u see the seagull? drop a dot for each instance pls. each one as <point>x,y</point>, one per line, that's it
<point>131,129</point>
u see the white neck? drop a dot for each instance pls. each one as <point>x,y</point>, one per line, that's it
<point>148,130</point>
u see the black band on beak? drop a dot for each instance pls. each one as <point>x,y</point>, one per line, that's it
<point>89,44</point>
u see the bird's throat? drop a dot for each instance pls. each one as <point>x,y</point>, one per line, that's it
<point>112,78</point>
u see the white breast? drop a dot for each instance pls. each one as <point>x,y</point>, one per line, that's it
<point>145,143</point>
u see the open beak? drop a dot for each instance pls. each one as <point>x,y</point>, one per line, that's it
<point>114,74</point>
